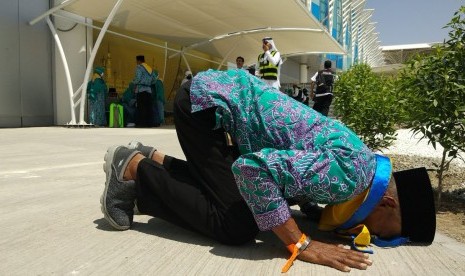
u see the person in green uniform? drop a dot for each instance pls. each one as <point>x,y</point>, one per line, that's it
<point>129,105</point>
<point>96,94</point>
<point>160,99</point>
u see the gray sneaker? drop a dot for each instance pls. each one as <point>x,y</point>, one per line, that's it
<point>147,151</point>
<point>117,200</point>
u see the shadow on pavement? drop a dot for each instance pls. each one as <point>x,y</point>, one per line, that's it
<point>266,245</point>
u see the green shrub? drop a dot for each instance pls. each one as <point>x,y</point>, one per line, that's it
<point>435,88</point>
<point>368,104</point>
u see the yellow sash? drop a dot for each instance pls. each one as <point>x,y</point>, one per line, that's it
<point>335,215</point>
<point>147,67</point>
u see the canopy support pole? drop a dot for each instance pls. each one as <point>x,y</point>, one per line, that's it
<point>66,67</point>
<point>229,53</point>
<point>185,61</point>
<point>166,60</point>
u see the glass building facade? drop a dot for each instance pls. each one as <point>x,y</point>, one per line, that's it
<point>349,24</point>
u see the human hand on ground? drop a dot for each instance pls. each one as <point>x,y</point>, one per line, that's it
<point>334,256</point>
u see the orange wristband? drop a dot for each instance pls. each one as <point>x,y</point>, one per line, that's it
<point>296,249</point>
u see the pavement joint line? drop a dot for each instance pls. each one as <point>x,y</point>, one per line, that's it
<point>50,168</point>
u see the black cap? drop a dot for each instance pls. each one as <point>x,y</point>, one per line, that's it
<point>416,205</point>
<point>327,64</point>
<point>266,39</point>
<point>140,58</point>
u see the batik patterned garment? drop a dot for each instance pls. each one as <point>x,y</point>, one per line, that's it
<point>289,151</point>
<point>143,78</point>
<point>97,94</point>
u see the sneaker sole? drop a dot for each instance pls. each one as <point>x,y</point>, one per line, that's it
<point>103,199</point>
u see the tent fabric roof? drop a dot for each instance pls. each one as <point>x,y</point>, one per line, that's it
<point>224,29</point>
<point>408,46</point>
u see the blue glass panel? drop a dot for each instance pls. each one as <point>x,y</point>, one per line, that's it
<point>339,61</point>
<point>316,10</point>
<point>324,13</point>
<point>337,21</point>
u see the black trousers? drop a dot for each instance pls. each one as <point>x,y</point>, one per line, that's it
<point>198,194</point>
<point>144,110</point>
<point>322,104</point>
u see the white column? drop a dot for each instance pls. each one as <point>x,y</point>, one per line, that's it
<point>303,73</point>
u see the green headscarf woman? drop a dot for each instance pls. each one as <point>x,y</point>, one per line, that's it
<point>96,93</point>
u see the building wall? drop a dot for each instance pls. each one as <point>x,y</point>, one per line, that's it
<point>26,86</point>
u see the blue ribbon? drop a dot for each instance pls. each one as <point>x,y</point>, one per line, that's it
<point>378,188</point>
<point>393,242</point>
<point>355,247</point>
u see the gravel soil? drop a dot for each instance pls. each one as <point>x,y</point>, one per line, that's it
<point>409,152</point>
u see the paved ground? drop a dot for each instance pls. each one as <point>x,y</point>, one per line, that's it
<point>50,183</point>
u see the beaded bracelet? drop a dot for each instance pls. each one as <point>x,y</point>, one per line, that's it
<point>296,249</point>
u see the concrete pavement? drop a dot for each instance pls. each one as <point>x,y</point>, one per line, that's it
<point>51,180</point>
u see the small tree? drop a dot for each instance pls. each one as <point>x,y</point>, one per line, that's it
<point>367,103</point>
<point>435,88</point>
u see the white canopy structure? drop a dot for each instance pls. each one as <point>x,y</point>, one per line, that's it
<point>219,28</point>
<point>222,29</point>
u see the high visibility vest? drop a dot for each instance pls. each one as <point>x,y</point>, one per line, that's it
<point>268,70</point>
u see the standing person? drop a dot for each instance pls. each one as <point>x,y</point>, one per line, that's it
<point>156,114</point>
<point>297,93</point>
<point>253,151</point>
<point>323,96</point>
<point>240,63</point>
<point>128,100</point>
<point>143,79</point>
<point>159,99</point>
<point>269,63</point>
<point>97,94</point>
<point>306,96</point>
